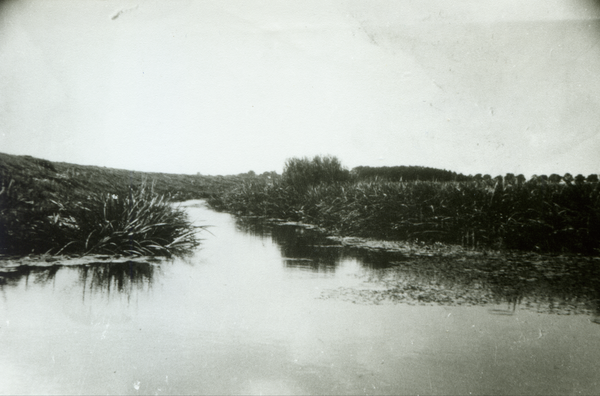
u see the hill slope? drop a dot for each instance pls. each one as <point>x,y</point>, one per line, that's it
<point>29,172</point>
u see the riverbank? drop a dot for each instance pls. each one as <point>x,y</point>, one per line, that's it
<point>534,216</point>
<point>544,214</point>
<point>56,208</point>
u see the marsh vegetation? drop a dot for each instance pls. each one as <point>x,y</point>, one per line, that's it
<point>546,215</point>
<point>48,207</point>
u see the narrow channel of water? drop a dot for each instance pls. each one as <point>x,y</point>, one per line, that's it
<point>263,310</point>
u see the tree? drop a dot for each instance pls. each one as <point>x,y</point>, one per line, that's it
<point>554,178</point>
<point>593,178</point>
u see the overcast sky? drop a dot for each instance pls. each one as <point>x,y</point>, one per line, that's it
<point>224,87</point>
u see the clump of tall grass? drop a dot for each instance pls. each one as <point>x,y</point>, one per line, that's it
<point>135,222</point>
<point>140,223</point>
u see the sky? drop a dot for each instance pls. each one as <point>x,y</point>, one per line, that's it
<point>229,86</point>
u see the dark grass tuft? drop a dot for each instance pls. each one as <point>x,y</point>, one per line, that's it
<point>138,222</point>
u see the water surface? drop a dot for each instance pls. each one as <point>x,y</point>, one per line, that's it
<point>282,310</point>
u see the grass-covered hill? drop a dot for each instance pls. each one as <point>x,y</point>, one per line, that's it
<point>60,177</point>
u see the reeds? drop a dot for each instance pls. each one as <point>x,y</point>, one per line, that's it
<point>495,213</point>
<point>140,223</point>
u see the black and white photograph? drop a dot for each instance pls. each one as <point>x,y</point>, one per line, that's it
<point>320,197</point>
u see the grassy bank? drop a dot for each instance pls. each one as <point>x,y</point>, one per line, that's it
<point>49,207</point>
<point>80,180</point>
<point>502,213</point>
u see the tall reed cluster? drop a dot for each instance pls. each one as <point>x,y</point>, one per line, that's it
<point>538,215</point>
<point>136,222</point>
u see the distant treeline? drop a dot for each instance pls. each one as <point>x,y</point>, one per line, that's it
<point>422,173</point>
<point>407,173</point>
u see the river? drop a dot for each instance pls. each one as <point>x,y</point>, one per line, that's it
<point>275,310</point>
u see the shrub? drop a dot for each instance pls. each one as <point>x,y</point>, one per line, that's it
<point>302,173</point>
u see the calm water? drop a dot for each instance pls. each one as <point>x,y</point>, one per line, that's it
<point>275,311</point>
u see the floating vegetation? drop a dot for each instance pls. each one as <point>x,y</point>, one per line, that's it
<point>437,274</point>
<point>559,285</point>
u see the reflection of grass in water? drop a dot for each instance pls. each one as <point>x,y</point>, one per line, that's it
<point>300,247</point>
<point>442,276</point>
<point>40,275</point>
<point>555,285</point>
<point>118,277</point>
<point>303,246</point>
<point>321,266</point>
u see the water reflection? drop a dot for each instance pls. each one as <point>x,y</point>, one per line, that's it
<point>299,247</point>
<point>559,285</point>
<point>98,278</point>
<point>119,277</point>
<point>306,248</point>
<point>38,275</point>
